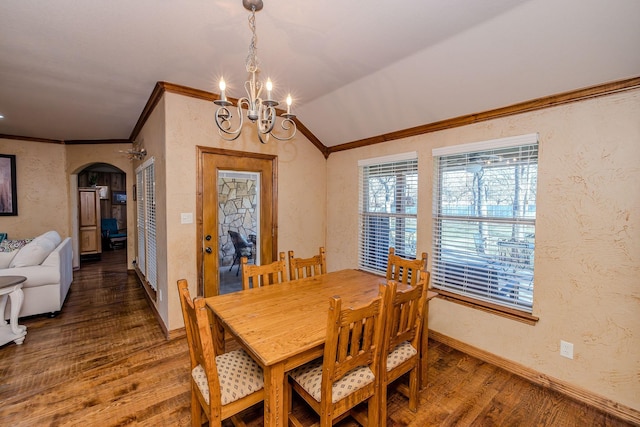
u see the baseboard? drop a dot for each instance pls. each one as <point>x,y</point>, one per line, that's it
<point>151,303</point>
<point>579,394</point>
<point>177,333</point>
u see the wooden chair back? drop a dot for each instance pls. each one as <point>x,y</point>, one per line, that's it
<point>263,275</point>
<point>354,341</point>
<point>300,268</point>
<point>403,270</point>
<point>404,323</point>
<point>202,353</point>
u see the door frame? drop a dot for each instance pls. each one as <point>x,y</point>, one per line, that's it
<point>269,227</point>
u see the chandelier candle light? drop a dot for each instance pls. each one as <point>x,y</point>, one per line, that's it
<point>260,111</point>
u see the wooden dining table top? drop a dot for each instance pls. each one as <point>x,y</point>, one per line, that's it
<point>280,321</point>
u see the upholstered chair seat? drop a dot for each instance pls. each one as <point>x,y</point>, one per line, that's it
<point>403,352</point>
<point>239,376</point>
<point>309,377</point>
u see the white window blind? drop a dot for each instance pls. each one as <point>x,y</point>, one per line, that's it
<point>146,210</point>
<point>388,209</point>
<point>140,208</point>
<point>484,213</point>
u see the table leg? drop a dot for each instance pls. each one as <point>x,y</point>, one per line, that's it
<point>217,332</point>
<point>17,296</point>
<point>274,378</point>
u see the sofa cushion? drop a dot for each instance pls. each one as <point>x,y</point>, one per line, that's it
<point>33,253</point>
<point>51,235</point>
<point>37,275</point>
<point>6,257</point>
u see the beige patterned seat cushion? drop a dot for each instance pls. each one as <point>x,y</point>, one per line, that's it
<point>403,352</point>
<point>309,377</point>
<point>238,373</point>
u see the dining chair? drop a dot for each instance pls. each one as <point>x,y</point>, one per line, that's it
<point>300,268</point>
<point>221,385</point>
<point>263,275</point>
<point>347,374</point>
<point>405,270</point>
<point>401,344</point>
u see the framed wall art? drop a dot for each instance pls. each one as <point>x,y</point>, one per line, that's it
<point>8,188</point>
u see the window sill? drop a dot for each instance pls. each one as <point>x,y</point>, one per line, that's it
<point>509,313</point>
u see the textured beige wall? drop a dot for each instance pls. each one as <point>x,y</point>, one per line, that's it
<point>188,123</point>
<point>587,261</point>
<point>42,188</point>
<point>46,192</point>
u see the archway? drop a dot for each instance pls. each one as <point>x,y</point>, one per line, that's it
<point>108,183</point>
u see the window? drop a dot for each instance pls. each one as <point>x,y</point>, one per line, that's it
<point>484,215</point>
<point>146,220</point>
<point>388,209</point>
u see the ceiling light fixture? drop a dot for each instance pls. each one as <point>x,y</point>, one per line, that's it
<point>260,111</point>
<point>137,152</point>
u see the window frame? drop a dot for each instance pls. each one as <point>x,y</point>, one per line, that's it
<point>466,273</point>
<point>384,227</point>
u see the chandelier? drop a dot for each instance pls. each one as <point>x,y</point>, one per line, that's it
<point>136,152</point>
<point>261,111</point>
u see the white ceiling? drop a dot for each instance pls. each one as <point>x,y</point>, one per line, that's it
<point>84,69</point>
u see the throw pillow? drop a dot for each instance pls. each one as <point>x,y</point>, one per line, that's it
<point>13,245</point>
<point>33,253</point>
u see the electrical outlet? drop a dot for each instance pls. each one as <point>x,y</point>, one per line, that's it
<point>566,349</point>
<point>160,294</point>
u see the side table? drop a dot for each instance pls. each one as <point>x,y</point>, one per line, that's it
<point>11,287</point>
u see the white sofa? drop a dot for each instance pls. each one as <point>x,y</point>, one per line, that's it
<point>47,263</point>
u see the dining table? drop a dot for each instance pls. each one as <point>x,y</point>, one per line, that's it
<point>283,326</point>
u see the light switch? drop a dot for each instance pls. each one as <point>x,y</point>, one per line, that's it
<point>186,218</point>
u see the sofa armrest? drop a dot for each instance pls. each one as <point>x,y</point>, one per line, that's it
<point>62,259</point>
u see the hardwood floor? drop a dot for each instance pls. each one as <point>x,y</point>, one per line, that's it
<point>103,361</point>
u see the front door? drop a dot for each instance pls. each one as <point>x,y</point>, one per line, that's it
<point>218,168</point>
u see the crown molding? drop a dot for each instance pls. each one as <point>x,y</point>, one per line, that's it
<point>522,107</point>
<point>519,108</point>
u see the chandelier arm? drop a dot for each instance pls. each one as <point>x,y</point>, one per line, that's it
<point>264,141</point>
<point>267,119</point>
<point>253,89</point>
<point>223,121</point>
<point>232,136</point>
<point>287,125</point>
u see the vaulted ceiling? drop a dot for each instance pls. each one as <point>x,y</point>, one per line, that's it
<point>84,69</point>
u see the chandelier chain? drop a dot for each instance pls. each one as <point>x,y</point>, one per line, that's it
<point>252,57</point>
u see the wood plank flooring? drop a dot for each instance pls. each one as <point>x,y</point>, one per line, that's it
<point>104,361</point>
